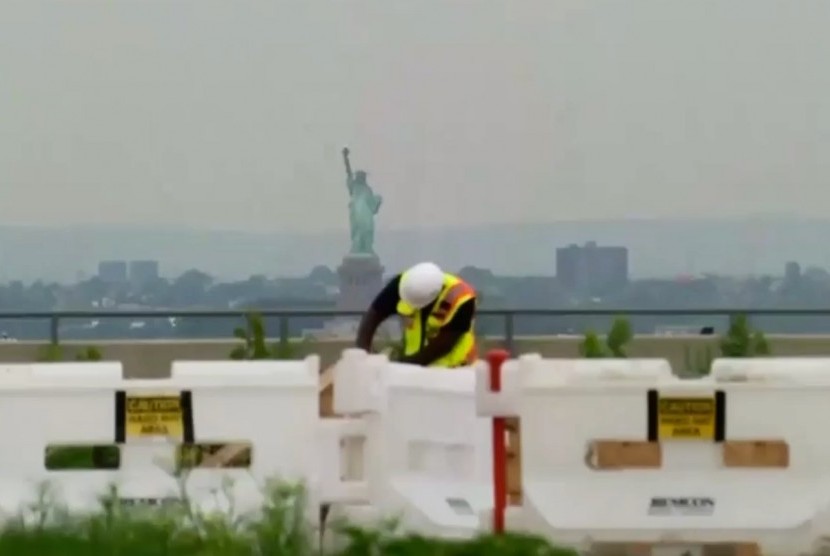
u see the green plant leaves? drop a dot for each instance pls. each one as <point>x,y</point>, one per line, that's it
<point>54,352</point>
<point>618,337</point>
<point>279,528</point>
<point>255,342</point>
<point>741,340</point>
<point>592,347</point>
<point>620,334</point>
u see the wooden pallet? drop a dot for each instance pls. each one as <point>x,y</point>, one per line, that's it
<point>224,456</point>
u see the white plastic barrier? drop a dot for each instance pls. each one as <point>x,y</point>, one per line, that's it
<point>694,496</point>
<point>271,405</point>
<point>426,456</point>
<point>274,406</point>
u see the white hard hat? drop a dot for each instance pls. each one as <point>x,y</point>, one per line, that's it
<point>421,284</point>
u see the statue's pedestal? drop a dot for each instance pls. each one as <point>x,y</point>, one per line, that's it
<point>361,278</point>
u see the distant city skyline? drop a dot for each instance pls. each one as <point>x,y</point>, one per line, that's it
<point>212,115</point>
<point>657,248</point>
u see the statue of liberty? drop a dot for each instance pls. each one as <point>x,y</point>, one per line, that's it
<point>364,205</point>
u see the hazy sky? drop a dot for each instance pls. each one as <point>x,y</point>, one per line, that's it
<point>232,115</point>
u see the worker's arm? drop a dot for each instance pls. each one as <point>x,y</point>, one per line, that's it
<point>384,306</point>
<point>447,337</point>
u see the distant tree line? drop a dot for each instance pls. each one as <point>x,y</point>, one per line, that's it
<point>195,289</point>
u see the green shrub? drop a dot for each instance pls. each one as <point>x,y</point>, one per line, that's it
<point>89,353</point>
<point>592,347</point>
<point>180,529</point>
<point>54,352</point>
<point>619,335</point>
<point>741,340</point>
<point>51,353</point>
<point>255,342</point>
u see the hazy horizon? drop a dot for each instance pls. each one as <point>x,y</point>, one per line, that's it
<point>657,248</point>
<point>231,116</point>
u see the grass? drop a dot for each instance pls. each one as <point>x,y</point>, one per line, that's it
<point>279,528</point>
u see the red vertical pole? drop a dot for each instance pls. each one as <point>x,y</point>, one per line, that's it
<point>496,358</point>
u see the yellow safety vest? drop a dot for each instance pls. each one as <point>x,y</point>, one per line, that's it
<point>416,334</point>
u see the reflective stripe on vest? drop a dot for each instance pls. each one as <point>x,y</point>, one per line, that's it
<point>417,333</point>
<point>451,299</point>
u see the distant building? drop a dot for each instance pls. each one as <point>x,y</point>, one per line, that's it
<point>143,272</point>
<point>112,272</point>
<point>591,268</point>
<point>792,272</point>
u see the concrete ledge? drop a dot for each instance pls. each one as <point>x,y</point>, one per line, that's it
<point>152,358</point>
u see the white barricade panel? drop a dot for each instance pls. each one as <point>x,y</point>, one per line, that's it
<point>432,426</point>
<point>356,379</point>
<point>780,398</point>
<point>270,406</point>
<point>50,405</point>
<point>616,457</point>
<point>428,455</point>
<point>583,404</point>
<point>15,371</point>
<point>540,373</point>
<point>772,370</point>
<point>71,372</point>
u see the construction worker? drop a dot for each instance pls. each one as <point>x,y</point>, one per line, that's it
<point>437,310</point>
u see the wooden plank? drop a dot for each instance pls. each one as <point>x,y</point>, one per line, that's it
<point>326,390</point>
<point>624,454</point>
<point>514,461</point>
<point>514,480</point>
<point>747,549</point>
<point>756,453</point>
<point>224,456</point>
<point>648,549</point>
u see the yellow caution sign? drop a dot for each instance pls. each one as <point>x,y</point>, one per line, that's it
<point>154,416</point>
<point>687,418</point>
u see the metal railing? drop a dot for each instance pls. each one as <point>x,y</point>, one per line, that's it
<point>508,316</point>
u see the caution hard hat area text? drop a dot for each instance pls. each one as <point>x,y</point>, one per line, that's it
<point>148,416</point>
<point>700,417</point>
